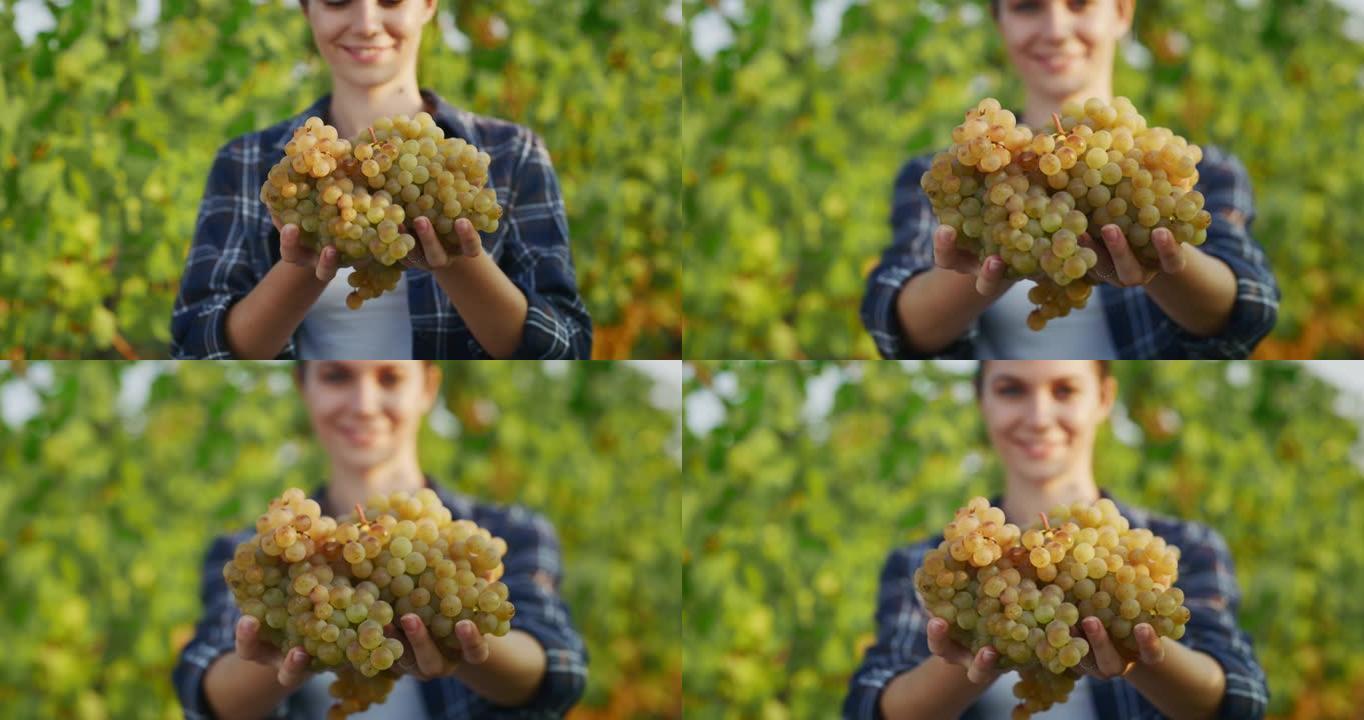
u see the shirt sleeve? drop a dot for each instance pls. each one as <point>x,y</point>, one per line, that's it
<point>1228,197</point>
<point>1207,577</point>
<point>901,637</point>
<point>218,271</point>
<point>214,635</point>
<point>537,260</point>
<point>533,569</point>
<point>910,253</point>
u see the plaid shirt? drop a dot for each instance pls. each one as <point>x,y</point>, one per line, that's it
<point>532,555</point>
<point>1139,328</point>
<point>236,244</point>
<point>1206,576</point>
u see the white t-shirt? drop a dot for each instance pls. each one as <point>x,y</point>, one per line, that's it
<point>999,701</point>
<point>403,703</point>
<point>380,330</point>
<point>1081,335</point>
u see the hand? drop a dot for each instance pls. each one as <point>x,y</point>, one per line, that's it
<point>1119,266</point>
<point>422,659</point>
<point>429,253</point>
<point>292,251</point>
<point>989,274</point>
<point>980,668</point>
<point>1104,660</point>
<point>291,672</point>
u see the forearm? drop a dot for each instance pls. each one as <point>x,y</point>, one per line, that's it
<point>260,324</point>
<point>490,304</point>
<point>1186,685</point>
<point>1200,297</point>
<point>513,672</point>
<point>936,307</point>
<point>934,689</point>
<point>240,690</point>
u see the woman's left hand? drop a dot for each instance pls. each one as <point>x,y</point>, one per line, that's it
<point>430,254</point>
<point>423,660</point>
<point>1104,661</point>
<point>1118,264</point>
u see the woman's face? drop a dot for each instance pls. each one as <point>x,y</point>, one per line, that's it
<point>369,42</point>
<point>1060,46</point>
<point>1042,416</point>
<point>365,413</point>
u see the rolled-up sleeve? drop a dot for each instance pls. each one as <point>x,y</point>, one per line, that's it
<point>220,269</point>
<point>910,253</point>
<point>537,259</point>
<point>533,569</point>
<point>1228,197</point>
<point>1207,577</point>
<point>901,636</point>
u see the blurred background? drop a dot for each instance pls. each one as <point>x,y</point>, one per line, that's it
<point>111,112</point>
<point>802,477</point>
<point>800,113</point>
<point>114,477</point>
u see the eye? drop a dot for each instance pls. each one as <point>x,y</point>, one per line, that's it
<point>1009,389</point>
<point>1079,6</point>
<point>1063,391</point>
<point>334,374</point>
<point>390,377</point>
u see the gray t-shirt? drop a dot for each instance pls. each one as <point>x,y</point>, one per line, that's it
<point>999,701</point>
<point>380,330</point>
<point>1081,335</point>
<point>404,702</point>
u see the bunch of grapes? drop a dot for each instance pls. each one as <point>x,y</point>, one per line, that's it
<point>334,586</point>
<point>1025,592</point>
<point>355,195</point>
<point>1027,195</point>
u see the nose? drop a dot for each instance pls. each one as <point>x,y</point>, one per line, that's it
<point>1056,21</point>
<point>1038,411</point>
<point>365,21</point>
<point>364,398</point>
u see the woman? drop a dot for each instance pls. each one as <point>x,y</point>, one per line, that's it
<point>929,298</point>
<point>250,290</point>
<point>366,415</point>
<point>1042,418</point>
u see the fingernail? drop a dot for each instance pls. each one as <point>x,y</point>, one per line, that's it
<point>411,622</point>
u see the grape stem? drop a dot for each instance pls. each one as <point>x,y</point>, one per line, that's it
<point>1057,119</point>
<point>360,510</point>
<point>1045,525</point>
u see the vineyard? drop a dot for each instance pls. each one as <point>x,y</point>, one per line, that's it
<point>109,124</point>
<point>110,498</point>
<point>795,132</point>
<point>801,478</point>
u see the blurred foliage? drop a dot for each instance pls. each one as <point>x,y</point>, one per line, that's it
<point>790,512</point>
<point>107,509</point>
<point>108,130</point>
<point>793,145</point>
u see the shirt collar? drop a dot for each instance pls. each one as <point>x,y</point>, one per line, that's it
<point>454,121</point>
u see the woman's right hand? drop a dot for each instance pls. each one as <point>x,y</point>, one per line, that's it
<point>990,280</point>
<point>291,671</point>
<point>980,668</point>
<point>292,251</point>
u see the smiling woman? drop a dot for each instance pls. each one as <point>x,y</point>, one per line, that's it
<point>927,297</point>
<point>252,289</point>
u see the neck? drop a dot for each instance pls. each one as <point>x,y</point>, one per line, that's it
<point>356,107</point>
<point>1025,498</point>
<point>351,485</point>
<point>1040,106</point>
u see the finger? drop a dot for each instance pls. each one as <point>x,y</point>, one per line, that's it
<point>424,650</point>
<point>1148,644</point>
<point>1103,267</point>
<point>943,646</point>
<point>991,276</point>
<point>1171,253</point>
<point>294,670</point>
<point>944,247</point>
<point>249,646</point>
<point>473,643</point>
<point>982,669</point>
<point>278,228</point>
<point>327,264</point>
<point>470,244</point>
<point>431,247</point>
<point>1106,658</point>
<point>289,249</point>
<point>1124,262</point>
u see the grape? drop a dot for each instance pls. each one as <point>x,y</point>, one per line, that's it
<point>1082,561</point>
<point>323,185</point>
<point>325,583</point>
<point>1102,165</point>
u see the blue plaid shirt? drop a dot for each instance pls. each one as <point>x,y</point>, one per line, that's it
<point>532,573</point>
<point>1139,328</point>
<point>236,244</point>
<point>1206,575</point>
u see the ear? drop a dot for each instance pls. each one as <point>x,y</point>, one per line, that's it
<point>1108,395</point>
<point>433,378</point>
<point>1125,9</point>
<point>430,11</point>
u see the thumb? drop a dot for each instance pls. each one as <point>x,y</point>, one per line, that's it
<point>293,670</point>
